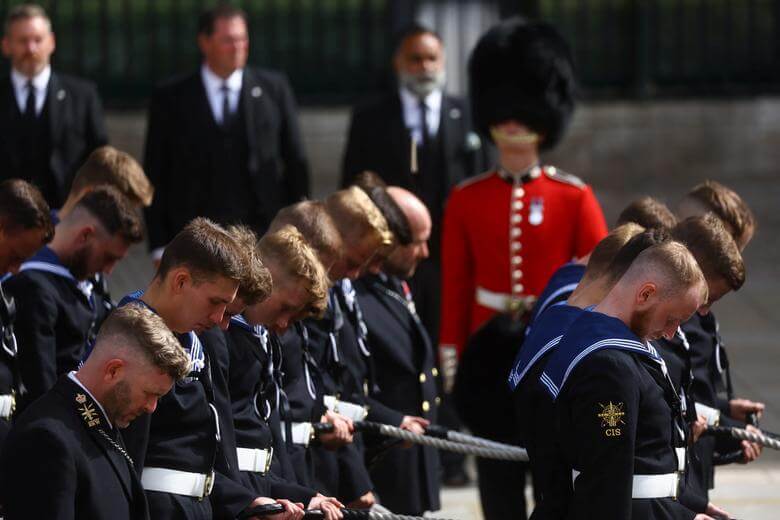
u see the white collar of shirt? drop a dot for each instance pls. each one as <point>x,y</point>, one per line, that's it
<point>411,110</point>
<point>213,85</point>
<point>72,376</point>
<point>39,82</point>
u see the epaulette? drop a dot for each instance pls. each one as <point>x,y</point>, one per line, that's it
<point>476,178</point>
<point>567,178</point>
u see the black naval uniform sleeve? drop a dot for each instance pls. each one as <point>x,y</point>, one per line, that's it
<point>603,453</point>
<point>40,467</point>
<point>36,335</point>
<point>379,412</point>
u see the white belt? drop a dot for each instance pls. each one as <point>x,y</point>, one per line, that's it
<point>165,480</point>
<point>710,414</point>
<point>302,433</point>
<point>254,460</point>
<point>654,486</point>
<point>7,405</point>
<point>503,302</point>
<point>351,410</point>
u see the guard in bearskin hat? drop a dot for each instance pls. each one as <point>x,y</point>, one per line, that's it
<point>505,232</point>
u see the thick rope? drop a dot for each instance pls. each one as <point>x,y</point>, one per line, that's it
<point>503,453</point>
<point>357,514</point>
<point>745,435</point>
<point>451,435</point>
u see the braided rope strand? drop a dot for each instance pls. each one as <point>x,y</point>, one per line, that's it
<point>758,438</point>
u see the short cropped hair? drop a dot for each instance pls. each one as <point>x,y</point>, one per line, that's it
<point>114,212</point>
<point>287,250</point>
<point>137,327</point>
<point>24,12</point>
<point>605,251</point>
<point>673,265</point>
<point>631,249</point>
<point>22,206</point>
<point>357,218</point>
<point>255,284</point>
<point>412,30</point>
<point>713,247</point>
<point>315,224</point>
<point>223,10</point>
<point>376,189</point>
<point>649,213</point>
<point>206,250</point>
<point>108,166</point>
<point>727,206</point>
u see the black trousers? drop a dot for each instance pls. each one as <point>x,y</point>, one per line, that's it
<point>502,489</point>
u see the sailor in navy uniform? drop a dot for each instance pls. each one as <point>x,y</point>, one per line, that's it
<point>618,417</point>
<point>256,397</point>
<point>64,459</point>
<point>186,434</point>
<point>562,283</point>
<point>55,321</point>
<point>9,374</point>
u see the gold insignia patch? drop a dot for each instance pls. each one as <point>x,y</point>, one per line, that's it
<point>611,416</point>
<point>89,415</point>
<point>81,398</point>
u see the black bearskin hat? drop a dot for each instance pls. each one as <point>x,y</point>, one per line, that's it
<point>523,70</point>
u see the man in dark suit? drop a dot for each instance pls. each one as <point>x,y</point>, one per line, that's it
<point>65,457</point>
<point>49,122</point>
<point>417,137</point>
<point>223,142</point>
<point>404,366</point>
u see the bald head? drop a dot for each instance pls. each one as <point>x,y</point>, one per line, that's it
<point>403,261</point>
<point>412,207</point>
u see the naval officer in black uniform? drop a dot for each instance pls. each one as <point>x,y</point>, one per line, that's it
<point>405,371</point>
<point>49,122</point>
<point>65,457</point>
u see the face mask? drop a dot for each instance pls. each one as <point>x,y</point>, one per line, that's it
<point>503,137</point>
<point>422,84</point>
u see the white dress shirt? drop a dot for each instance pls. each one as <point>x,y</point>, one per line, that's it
<point>214,84</point>
<point>39,82</point>
<point>411,109</point>
<point>72,376</point>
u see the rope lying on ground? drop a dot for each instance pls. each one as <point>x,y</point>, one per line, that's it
<point>739,433</point>
<point>487,450</point>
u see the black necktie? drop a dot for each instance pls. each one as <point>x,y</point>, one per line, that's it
<point>29,108</point>
<point>225,105</point>
<point>424,124</point>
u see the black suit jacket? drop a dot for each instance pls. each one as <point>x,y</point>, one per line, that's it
<point>56,464</point>
<point>76,128</point>
<point>181,157</point>
<point>379,141</point>
<point>407,480</point>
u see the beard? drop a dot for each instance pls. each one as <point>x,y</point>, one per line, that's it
<point>422,84</point>
<point>78,263</point>
<point>639,325</point>
<point>117,403</point>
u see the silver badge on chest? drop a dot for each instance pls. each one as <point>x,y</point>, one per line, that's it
<point>536,211</point>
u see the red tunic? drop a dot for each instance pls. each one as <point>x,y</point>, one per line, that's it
<point>507,237</point>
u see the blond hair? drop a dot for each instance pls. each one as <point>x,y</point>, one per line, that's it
<point>315,224</point>
<point>357,218</point>
<point>673,265</point>
<point>108,166</point>
<point>605,251</point>
<point>255,284</point>
<point>136,327</point>
<point>287,250</point>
